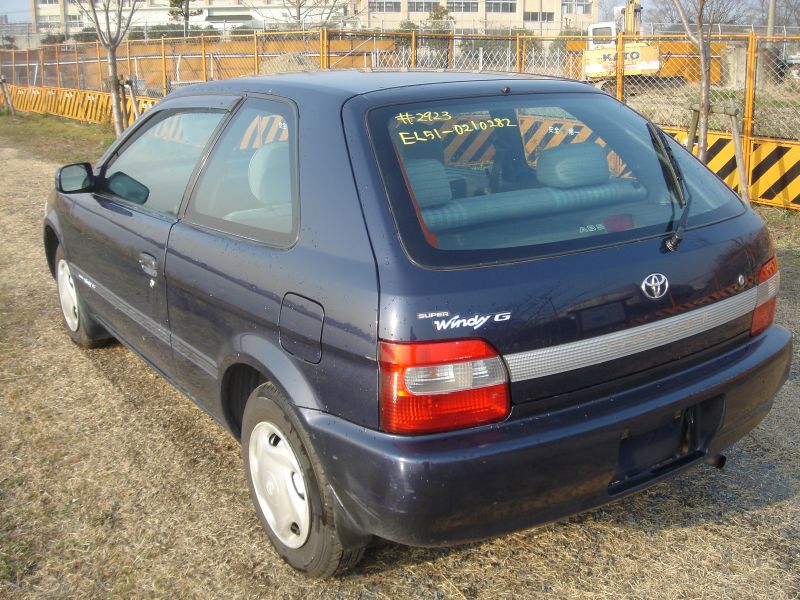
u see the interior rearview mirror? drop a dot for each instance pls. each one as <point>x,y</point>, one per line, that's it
<point>72,179</point>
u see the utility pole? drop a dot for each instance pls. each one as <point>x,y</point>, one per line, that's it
<point>771,18</point>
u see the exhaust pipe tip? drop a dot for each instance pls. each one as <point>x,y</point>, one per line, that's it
<point>717,461</point>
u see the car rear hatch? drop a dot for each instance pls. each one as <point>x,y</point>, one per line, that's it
<point>538,224</point>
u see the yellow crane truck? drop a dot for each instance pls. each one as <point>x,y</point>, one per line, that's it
<point>656,59</point>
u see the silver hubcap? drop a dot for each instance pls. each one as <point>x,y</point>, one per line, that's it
<point>279,485</point>
<point>68,295</point>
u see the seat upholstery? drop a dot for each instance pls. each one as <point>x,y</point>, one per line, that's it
<point>573,165</point>
<point>429,182</point>
<point>573,176</point>
<point>270,175</point>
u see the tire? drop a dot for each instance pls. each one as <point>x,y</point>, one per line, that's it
<point>81,327</point>
<point>289,489</point>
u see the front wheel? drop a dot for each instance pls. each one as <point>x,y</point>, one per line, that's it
<point>81,327</point>
<point>289,488</point>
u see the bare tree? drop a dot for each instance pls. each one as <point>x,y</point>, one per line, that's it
<point>713,11</point>
<point>606,9</point>
<point>701,38</point>
<point>787,13</point>
<point>179,11</point>
<point>111,21</point>
<point>299,12</point>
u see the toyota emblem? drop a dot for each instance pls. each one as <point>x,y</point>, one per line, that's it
<point>655,286</point>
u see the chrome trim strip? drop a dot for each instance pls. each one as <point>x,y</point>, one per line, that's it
<point>593,351</point>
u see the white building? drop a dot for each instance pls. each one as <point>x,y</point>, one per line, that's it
<point>546,17</point>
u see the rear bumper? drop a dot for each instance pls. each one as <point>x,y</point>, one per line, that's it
<point>454,487</point>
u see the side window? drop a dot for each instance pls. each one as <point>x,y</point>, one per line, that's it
<point>248,187</point>
<point>155,167</point>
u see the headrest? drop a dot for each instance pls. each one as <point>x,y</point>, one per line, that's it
<point>269,174</point>
<point>429,182</point>
<point>573,165</point>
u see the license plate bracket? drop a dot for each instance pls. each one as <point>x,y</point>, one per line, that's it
<point>665,444</point>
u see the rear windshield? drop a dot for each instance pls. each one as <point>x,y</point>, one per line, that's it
<point>479,180</point>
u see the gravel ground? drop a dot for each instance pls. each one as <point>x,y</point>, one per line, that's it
<point>113,484</point>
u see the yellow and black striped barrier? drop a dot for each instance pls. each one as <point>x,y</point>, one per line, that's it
<point>87,106</point>
<point>775,173</point>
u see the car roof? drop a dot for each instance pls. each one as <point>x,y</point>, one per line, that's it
<point>346,83</point>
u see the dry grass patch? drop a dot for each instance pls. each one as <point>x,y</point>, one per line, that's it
<point>112,484</point>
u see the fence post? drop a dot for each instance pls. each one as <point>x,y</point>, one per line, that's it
<point>451,44</point>
<point>750,99</point>
<point>203,55</point>
<point>128,55</point>
<point>413,49</point>
<point>620,66</point>
<point>327,49</point>
<point>163,68</point>
<point>77,69</point>
<point>255,53</point>
<point>28,68</point>
<point>13,67</point>
<point>42,67</point>
<point>99,66</point>
<point>519,55</point>
<point>58,66</point>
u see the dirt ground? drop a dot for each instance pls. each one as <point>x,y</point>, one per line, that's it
<point>113,484</point>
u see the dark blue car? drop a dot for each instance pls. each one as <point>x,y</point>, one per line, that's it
<point>433,307</point>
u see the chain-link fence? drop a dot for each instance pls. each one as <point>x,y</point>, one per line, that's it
<point>660,74</point>
<point>663,78</point>
<point>777,91</point>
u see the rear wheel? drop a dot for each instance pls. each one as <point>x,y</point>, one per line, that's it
<point>289,488</point>
<point>81,327</point>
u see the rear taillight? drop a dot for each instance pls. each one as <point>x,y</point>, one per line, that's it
<point>439,386</point>
<point>769,282</point>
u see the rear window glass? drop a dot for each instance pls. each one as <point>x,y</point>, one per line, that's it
<point>472,181</point>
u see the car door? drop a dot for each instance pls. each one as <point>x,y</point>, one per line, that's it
<point>116,236</point>
<point>229,265</point>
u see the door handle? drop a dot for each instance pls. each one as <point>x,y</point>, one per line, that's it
<point>148,264</point>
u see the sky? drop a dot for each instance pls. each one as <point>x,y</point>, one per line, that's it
<point>17,10</point>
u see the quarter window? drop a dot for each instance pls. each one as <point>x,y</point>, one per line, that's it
<point>155,167</point>
<point>249,186</point>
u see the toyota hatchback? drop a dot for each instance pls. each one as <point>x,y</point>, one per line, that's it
<point>433,307</point>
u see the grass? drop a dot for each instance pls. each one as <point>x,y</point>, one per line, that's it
<point>784,225</point>
<point>112,484</point>
<point>54,139</point>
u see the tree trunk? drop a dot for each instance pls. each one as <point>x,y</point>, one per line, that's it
<point>113,88</point>
<point>185,18</point>
<point>705,94</point>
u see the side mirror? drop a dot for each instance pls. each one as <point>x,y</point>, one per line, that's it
<point>73,179</point>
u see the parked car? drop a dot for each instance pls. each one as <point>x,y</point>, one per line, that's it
<point>434,307</point>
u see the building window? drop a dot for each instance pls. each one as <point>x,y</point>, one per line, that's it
<point>384,6</point>
<point>576,7</point>
<point>75,21</point>
<point>46,1</point>
<point>422,6</point>
<point>537,17</point>
<point>500,6</point>
<point>48,22</point>
<point>462,6</point>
